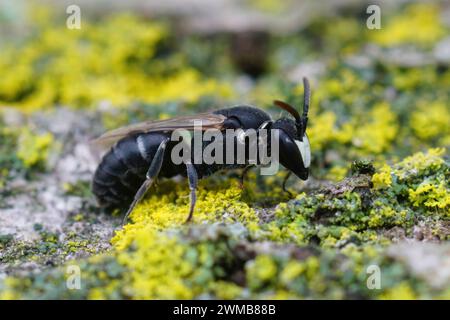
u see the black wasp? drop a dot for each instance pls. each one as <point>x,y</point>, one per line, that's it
<point>142,152</point>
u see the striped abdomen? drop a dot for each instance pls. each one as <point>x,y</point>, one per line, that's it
<point>122,170</point>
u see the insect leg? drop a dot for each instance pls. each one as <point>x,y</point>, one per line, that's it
<point>151,175</point>
<point>283,186</point>
<point>244,173</point>
<point>193,179</point>
<point>264,125</point>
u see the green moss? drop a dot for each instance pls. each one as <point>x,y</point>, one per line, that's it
<point>79,188</point>
<point>9,162</point>
<point>5,239</point>
<point>363,167</point>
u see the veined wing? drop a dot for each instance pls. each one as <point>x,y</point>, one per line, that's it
<point>205,120</point>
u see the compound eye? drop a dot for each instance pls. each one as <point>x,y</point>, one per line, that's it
<point>305,150</point>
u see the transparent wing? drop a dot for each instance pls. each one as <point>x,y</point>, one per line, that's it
<point>207,121</point>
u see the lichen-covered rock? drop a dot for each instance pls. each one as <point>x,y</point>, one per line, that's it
<point>318,245</point>
<point>372,221</point>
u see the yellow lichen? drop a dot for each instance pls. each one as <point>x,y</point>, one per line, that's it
<point>384,215</point>
<point>382,178</point>
<point>226,290</point>
<point>112,61</point>
<point>171,210</point>
<point>402,291</point>
<point>431,121</point>
<point>431,195</point>
<point>164,280</point>
<point>344,88</point>
<point>322,130</point>
<point>376,136</point>
<point>260,271</point>
<point>292,270</point>
<point>419,162</point>
<point>413,78</point>
<point>418,24</point>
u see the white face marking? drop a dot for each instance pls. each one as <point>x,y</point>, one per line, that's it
<point>305,150</point>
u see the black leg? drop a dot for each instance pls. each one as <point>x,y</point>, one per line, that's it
<point>284,184</point>
<point>264,125</point>
<point>151,175</point>
<point>193,180</point>
<point>243,175</point>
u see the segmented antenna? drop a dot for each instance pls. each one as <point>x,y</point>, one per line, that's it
<point>288,108</point>
<point>306,100</point>
<point>302,121</point>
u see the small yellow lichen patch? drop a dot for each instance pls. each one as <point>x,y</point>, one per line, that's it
<point>377,135</point>
<point>322,130</point>
<point>430,195</point>
<point>164,279</point>
<point>260,271</point>
<point>10,282</point>
<point>374,134</point>
<point>33,149</point>
<point>419,162</point>
<point>292,270</point>
<point>345,88</point>
<point>419,24</point>
<point>186,85</point>
<point>312,267</point>
<point>383,215</point>
<point>431,121</point>
<point>226,290</point>
<point>414,78</point>
<point>382,179</point>
<point>402,291</point>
